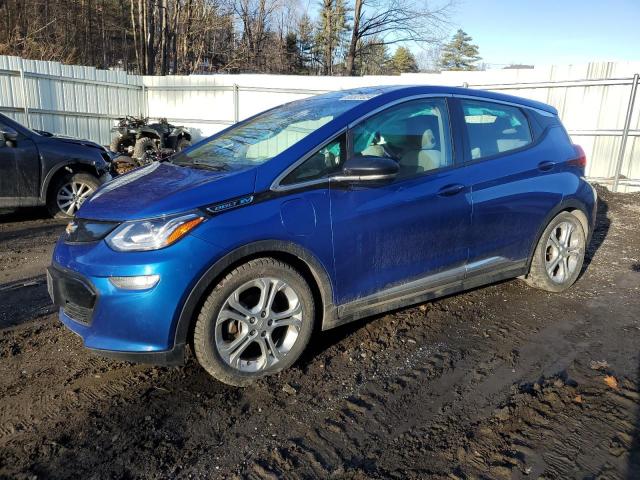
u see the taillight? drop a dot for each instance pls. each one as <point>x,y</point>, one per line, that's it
<point>581,159</point>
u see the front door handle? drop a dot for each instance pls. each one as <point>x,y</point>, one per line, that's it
<point>449,190</point>
<point>546,166</point>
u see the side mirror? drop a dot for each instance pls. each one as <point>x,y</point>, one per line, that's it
<point>9,134</point>
<point>360,169</point>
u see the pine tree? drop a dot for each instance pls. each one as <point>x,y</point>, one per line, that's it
<point>374,58</point>
<point>306,41</point>
<point>460,53</point>
<point>403,61</point>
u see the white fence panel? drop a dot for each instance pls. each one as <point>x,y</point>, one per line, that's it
<point>592,99</point>
<point>67,99</point>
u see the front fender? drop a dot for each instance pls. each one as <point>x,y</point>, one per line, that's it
<point>266,248</point>
<point>148,132</point>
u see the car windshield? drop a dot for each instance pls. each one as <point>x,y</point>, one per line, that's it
<point>267,135</point>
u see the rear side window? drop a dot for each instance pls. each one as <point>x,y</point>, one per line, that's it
<point>494,128</point>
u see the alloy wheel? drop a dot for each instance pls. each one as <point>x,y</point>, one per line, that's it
<point>258,324</point>
<point>72,195</point>
<point>563,252</point>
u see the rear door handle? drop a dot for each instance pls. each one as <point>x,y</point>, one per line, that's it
<point>449,190</point>
<point>546,166</point>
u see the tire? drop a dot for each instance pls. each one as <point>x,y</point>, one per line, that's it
<point>70,190</point>
<point>116,144</point>
<point>182,144</point>
<point>559,255</point>
<point>143,146</point>
<point>235,344</point>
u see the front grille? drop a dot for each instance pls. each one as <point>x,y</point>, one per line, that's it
<point>71,292</point>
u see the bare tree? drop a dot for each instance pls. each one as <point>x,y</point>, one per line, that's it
<point>187,36</point>
<point>394,21</point>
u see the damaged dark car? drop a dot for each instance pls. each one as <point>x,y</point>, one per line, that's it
<point>39,168</point>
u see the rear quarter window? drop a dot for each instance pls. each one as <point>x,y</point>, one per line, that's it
<point>494,128</point>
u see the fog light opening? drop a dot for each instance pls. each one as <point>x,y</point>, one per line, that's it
<point>140,282</point>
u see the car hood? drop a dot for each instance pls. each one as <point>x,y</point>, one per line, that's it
<point>71,140</point>
<point>164,189</point>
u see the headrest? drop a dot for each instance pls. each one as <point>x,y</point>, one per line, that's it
<point>428,140</point>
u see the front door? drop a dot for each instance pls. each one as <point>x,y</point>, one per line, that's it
<point>19,170</point>
<point>410,228</point>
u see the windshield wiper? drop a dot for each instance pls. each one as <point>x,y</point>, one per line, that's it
<point>216,167</point>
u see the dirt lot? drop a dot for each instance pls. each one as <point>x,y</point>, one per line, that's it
<point>500,382</point>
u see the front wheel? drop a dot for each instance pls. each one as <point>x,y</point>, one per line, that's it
<point>257,321</point>
<point>145,148</point>
<point>69,193</point>
<point>559,255</point>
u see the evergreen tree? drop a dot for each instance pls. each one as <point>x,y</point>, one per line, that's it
<point>373,59</point>
<point>403,61</point>
<point>459,53</point>
<point>307,43</point>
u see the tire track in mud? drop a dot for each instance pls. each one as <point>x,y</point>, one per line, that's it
<point>480,385</point>
<point>86,379</point>
<point>374,417</point>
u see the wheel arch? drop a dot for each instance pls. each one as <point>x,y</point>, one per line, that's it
<point>293,254</point>
<point>183,134</point>
<point>65,168</point>
<point>570,205</point>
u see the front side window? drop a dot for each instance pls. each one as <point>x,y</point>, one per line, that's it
<point>494,128</point>
<point>415,134</point>
<point>258,140</point>
<point>320,164</point>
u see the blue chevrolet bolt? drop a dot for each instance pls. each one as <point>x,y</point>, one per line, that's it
<point>317,213</point>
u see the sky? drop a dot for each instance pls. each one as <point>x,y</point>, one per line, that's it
<point>546,32</point>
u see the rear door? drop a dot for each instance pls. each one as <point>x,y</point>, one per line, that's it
<point>511,174</point>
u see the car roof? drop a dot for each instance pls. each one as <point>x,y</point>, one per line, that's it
<point>393,92</point>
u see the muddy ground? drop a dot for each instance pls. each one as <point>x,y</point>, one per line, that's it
<point>500,382</point>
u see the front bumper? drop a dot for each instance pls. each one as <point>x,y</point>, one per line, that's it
<point>134,325</point>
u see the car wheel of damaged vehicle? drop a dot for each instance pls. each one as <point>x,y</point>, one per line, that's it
<point>69,193</point>
<point>559,255</point>
<point>256,322</point>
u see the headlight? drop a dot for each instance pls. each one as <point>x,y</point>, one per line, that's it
<point>152,234</point>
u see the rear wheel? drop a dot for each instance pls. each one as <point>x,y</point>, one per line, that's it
<point>559,255</point>
<point>69,192</point>
<point>256,322</point>
<point>145,147</point>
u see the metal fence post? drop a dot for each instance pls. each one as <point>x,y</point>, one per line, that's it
<point>25,103</point>
<point>625,133</point>
<point>143,102</point>
<point>236,103</point>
